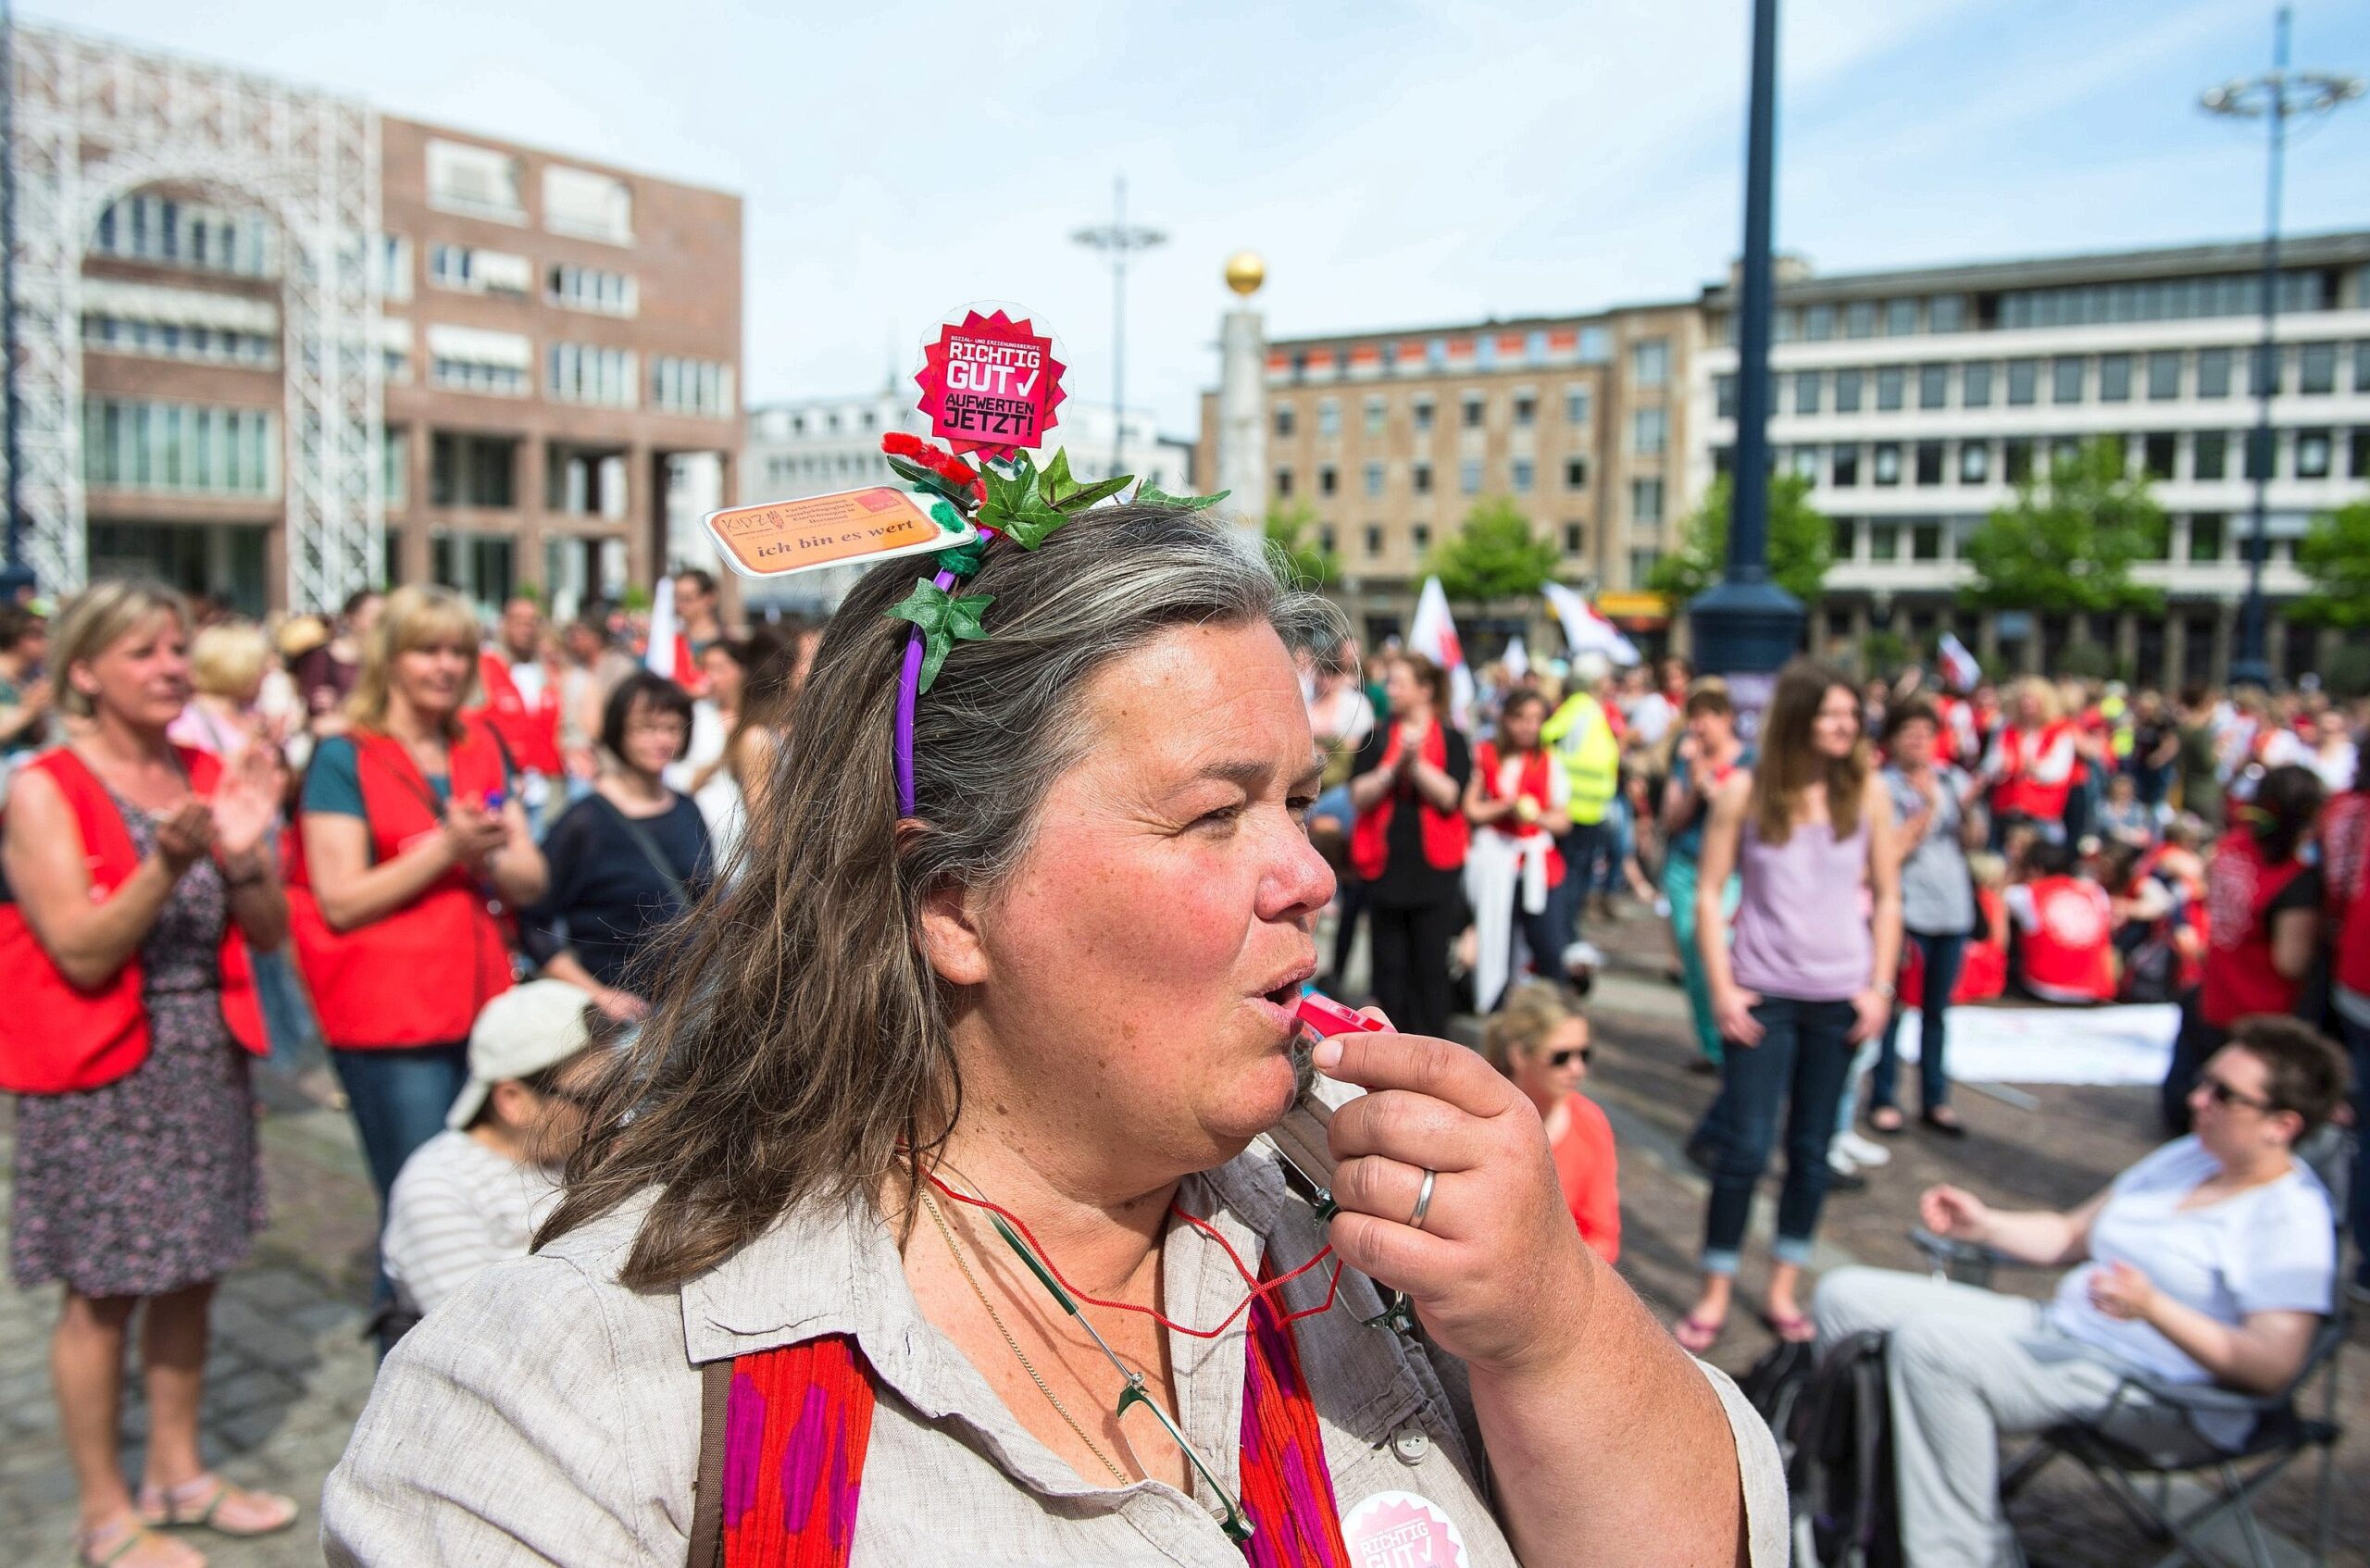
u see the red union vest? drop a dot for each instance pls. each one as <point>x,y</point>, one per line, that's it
<point>2239,886</point>
<point>2070,950</point>
<point>2018,792</point>
<point>1534,786</point>
<point>530,729</point>
<point>1446,833</point>
<point>2345,849</point>
<point>417,977</point>
<point>55,1037</point>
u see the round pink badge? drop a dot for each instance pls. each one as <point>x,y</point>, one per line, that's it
<point>1402,1530</point>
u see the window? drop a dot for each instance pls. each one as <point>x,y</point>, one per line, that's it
<point>1576,406</point>
<point>1645,502</point>
<point>1724,397</point>
<point>476,271</point>
<point>1526,475</point>
<point>1946,312</point>
<point>1890,380</point>
<point>1473,409</point>
<point>1860,319</point>
<point>1284,421</point>
<point>2312,448</point>
<point>2316,370</point>
<point>1650,362</point>
<point>1844,470</point>
<point>1847,392</point>
<point>1420,479</point>
<point>173,340</point>
<point>471,359</point>
<point>1283,481</point>
<point>1803,462</point>
<point>1806,392</point>
<point>2164,375</point>
<point>1933,386</point>
<point>1575,473</point>
<point>1887,468</point>
<point>1420,536</point>
<point>1374,540</point>
<point>1649,431</point>
<point>2157,453</point>
<point>1534,346</point>
<point>583,373</point>
<point>589,288</point>
<point>2023,382</point>
<point>1329,417</point>
<point>1924,541</point>
<point>2065,380</point>
<point>1525,410</point>
<point>2208,534</point>
<point>1900,318</point>
<point>2209,455</point>
<point>2260,454</point>
<point>180,448</point>
<point>2264,370</point>
<point>1328,479</point>
<point>1975,386</point>
<point>1575,539</point>
<point>2016,459</point>
<point>1884,541</point>
<point>470,470</point>
<point>477,180</point>
<point>1928,461</point>
<point>394,268</point>
<point>1469,477</point>
<point>1975,462</point>
<point>1374,478</point>
<point>1596,345</point>
<point>589,205</point>
<point>1378,411</point>
<point>1846,542</point>
<point>1643,559</point>
<point>201,238</point>
<point>1421,411</point>
<point>1818,322</point>
<point>2358,463</point>
<point>2115,377</point>
<point>2214,372</point>
<point>1326,540</point>
<point>690,385</point>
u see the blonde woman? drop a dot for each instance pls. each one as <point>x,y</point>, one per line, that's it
<point>142,878</point>
<point>2030,766</point>
<point>1540,1040</point>
<point>227,665</point>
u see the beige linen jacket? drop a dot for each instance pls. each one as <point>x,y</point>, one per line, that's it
<point>546,1414</point>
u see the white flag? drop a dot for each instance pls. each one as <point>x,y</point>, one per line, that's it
<point>660,655</point>
<point>1434,636</point>
<point>1516,657</point>
<point>1960,671</point>
<point>1585,631</point>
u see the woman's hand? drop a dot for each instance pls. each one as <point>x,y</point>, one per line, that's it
<point>1497,1269</point>
<point>246,802</point>
<point>470,834</point>
<point>1732,1013</point>
<point>1870,1009</point>
<point>183,834</point>
<point>1955,1213</point>
<point>2122,1293</point>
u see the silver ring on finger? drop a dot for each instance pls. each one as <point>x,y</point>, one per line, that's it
<point>1423,1199</point>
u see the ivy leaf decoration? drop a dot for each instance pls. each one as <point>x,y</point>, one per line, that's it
<point>1016,506</point>
<point>944,620</point>
<point>1068,496</point>
<point>1150,494</point>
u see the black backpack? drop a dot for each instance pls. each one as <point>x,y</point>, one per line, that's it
<point>1839,1443</point>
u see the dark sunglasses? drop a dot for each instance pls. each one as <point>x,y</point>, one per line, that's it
<point>1586,1054</point>
<point>2223,1094</point>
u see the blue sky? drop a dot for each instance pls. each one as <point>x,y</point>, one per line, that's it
<point>1397,162</point>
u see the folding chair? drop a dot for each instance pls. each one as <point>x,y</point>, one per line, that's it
<point>2153,1431</point>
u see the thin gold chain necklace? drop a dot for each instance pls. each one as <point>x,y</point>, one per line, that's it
<point>939,1218</point>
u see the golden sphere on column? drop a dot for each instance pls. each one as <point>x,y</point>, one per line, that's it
<point>1246,272</point>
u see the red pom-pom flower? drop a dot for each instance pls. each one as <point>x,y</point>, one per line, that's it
<point>936,458</point>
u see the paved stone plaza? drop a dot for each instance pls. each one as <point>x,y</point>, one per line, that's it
<point>291,1371</point>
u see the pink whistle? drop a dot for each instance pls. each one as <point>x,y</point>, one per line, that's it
<point>1328,1017</point>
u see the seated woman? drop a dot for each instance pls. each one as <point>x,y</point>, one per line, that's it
<point>2207,1262</point>
<point>1539,1039</point>
<point>1005,1007</point>
<point>2062,946</point>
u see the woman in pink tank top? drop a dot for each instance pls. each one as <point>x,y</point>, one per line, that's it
<point>1816,941</point>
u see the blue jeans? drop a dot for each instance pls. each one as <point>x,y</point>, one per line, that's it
<point>2357,1044</point>
<point>1943,955</point>
<point>1800,1065</point>
<point>287,1017</point>
<point>1582,847</point>
<point>1624,842</point>
<point>399,1099</point>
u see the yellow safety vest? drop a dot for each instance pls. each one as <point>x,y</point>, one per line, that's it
<point>1583,742</point>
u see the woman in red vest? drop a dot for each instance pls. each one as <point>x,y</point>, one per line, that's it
<point>2345,860</point>
<point>140,874</point>
<point>2263,922</point>
<point>1517,795</point>
<point>1407,787</point>
<point>2063,946</point>
<point>413,844</point>
<point>2030,766</point>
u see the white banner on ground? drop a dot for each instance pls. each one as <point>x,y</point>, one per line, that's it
<point>2055,1045</point>
<point>1585,631</point>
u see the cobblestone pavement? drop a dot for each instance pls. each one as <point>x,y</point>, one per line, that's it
<point>290,1370</point>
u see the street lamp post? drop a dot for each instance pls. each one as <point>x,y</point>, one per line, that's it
<point>1746,625</point>
<point>1120,241</point>
<point>2276,96</point>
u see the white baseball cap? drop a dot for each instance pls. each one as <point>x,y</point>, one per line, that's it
<point>519,1034</point>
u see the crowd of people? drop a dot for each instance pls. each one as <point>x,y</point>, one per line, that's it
<point>451,864</point>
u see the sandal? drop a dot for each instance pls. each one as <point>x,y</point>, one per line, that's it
<point>138,1548</point>
<point>200,1504</point>
<point>1944,1120</point>
<point>1794,1328</point>
<point>1885,1121</point>
<point>1695,1336</point>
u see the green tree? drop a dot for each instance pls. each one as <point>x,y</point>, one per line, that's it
<point>2068,543</point>
<point>1801,543</point>
<point>1495,555</point>
<point>2335,554</point>
<point>1292,533</point>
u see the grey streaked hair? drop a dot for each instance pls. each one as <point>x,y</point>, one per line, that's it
<point>798,1044</point>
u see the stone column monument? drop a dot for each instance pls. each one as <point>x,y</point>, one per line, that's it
<point>1243,403</point>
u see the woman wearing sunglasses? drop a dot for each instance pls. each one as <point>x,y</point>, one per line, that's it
<point>2208,1261</point>
<point>938,1232</point>
<point>1539,1040</point>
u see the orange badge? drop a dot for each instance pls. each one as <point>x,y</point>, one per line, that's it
<point>876,524</point>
